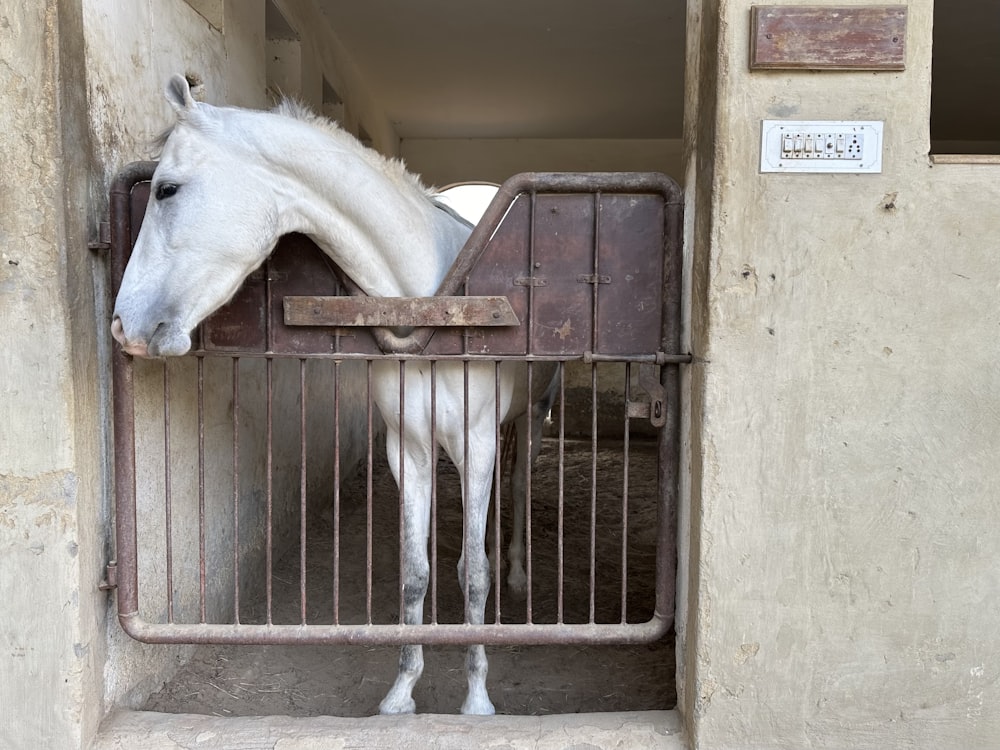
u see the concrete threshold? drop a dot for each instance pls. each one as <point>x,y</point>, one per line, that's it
<point>146,730</point>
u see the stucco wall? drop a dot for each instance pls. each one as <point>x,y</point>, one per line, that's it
<point>845,478</point>
<point>49,479</point>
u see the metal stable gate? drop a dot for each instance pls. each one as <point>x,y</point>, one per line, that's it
<point>231,463</point>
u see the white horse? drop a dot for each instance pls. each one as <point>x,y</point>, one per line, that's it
<point>231,182</point>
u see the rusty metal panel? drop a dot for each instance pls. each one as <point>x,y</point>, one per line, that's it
<point>501,264</point>
<point>632,251</point>
<point>869,37</point>
<point>563,259</point>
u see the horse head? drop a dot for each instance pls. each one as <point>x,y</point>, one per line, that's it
<point>212,218</point>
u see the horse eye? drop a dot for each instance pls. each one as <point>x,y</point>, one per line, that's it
<point>166,189</point>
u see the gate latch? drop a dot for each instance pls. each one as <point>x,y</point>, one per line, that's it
<point>655,410</point>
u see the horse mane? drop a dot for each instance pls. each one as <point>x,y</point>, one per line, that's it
<point>394,169</point>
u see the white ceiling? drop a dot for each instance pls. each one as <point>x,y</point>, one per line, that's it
<point>595,68</point>
<point>520,68</point>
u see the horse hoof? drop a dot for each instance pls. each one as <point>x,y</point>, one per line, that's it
<point>517,586</point>
<point>477,708</point>
<point>394,708</point>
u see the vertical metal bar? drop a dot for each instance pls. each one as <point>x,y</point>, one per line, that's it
<point>668,442</point>
<point>202,606</point>
<point>269,488</point>
<point>434,509</point>
<point>302,490</point>
<point>126,545</point>
<point>168,494</point>
<point>368,495</point>
<point>466,499</point>
<point>336,492</point>
<point>402,489</point>
<point>625,478</point>
<point>561,498</point>
<point>497,478</point>
<point>593,489</point>
<point>236,489</point>
<point>529,374</point>
<point>268,306</point>
<point>595,320</point>
<point>529,321</point>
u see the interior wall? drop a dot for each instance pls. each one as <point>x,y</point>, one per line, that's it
<point>50,544</point>
<point>445,161</point>
<point>844,477</point>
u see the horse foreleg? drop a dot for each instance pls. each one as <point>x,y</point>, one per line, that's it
<point>415,566</point>
<point>474,575</point>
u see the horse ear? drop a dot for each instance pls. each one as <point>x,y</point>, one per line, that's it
<point>178,93</point>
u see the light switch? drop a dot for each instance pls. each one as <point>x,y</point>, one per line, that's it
<point>821,146</point>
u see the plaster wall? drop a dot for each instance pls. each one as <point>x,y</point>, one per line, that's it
<point>443,161</point>
<point>50,542</point>
<point>844,483</point>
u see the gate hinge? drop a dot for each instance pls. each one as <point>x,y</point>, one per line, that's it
<point>103,241</point>
<point>111,580</point>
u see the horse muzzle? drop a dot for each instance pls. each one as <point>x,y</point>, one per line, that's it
<point>165,341</point>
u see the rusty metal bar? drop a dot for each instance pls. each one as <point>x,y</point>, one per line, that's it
<point>466,500</point>
<point>202,573</point>
<point>593,492</point>
<point>336,492</point>
<point>369,492</point>
<point>527,497</point>
<point>658,358</point>
<point>444,311</point>
<point>269,491</point>
<point>168,495</point>
<point>400,634</point>
<point>626,435</point>
<point>561,499</point>
<point>401,589</point>
<point>497,478</point>
<point>303,506</point>
<point>236,489</point>
<point>433,583</point>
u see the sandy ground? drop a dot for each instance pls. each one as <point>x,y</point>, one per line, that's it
<point>349,681</point>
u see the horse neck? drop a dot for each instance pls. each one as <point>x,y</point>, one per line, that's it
<point>381,229</point>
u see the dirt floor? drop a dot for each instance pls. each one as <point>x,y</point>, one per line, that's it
<point>350,681</point>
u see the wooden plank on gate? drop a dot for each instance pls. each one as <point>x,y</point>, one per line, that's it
<point>863,37</point>
<point>393,312</point>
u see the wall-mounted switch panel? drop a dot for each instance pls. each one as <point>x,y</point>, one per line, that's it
<point>821,146</point>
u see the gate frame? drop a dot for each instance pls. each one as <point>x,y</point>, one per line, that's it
<point>122,572</point>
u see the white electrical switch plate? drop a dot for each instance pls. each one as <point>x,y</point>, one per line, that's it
<point>821,146</point>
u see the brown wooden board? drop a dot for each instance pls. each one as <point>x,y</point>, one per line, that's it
<point>871,37</point>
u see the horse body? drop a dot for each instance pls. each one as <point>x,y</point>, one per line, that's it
<point>229,184</point>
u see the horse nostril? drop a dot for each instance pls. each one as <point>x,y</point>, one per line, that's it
<point>117,329</point>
